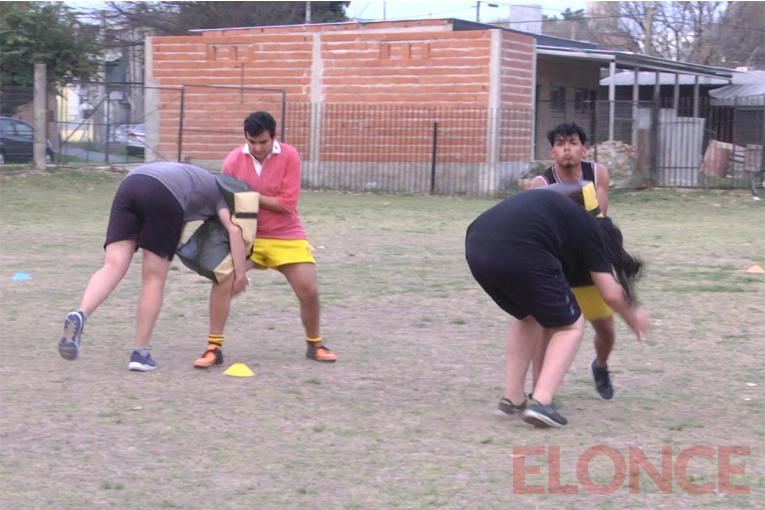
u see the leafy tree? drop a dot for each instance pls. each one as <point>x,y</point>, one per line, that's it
<point>173,18</point>
<point>46,32</point>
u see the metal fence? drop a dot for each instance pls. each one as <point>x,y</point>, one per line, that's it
<point>410,150</point>
<point>366,147</point>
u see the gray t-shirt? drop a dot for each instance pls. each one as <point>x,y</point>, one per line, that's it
<point>194,188</point>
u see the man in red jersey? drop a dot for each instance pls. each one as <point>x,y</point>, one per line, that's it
<point>271,168</point>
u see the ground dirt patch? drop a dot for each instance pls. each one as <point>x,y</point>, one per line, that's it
<point>404,418</point>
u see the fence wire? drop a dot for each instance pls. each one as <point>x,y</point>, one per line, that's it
<point>396,149</point>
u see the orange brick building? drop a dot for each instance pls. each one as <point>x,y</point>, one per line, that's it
<point>346,87</point>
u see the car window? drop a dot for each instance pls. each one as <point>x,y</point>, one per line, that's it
<point>6,127</point>
<point>24,130</point>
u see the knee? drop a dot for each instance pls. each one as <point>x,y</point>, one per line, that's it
<point>604,328</point>
<point>307,292</point>
<point>306,289</point>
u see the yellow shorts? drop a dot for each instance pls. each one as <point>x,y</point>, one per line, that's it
<point>272,253</point>
<point>591,303</point>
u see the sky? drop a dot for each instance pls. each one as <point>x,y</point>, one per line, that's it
<point>413,9</point>
<point>402,9</point>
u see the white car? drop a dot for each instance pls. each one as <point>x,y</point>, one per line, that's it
<point>136,140</point>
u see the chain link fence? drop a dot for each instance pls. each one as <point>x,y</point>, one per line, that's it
<point>395,149</point>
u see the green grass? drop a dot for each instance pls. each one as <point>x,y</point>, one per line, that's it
<point>404,418</point>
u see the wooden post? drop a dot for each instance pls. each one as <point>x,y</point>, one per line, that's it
<point>40,105</point>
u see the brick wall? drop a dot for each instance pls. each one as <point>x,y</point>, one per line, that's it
<point>516,98</point>
<point>422,65</point>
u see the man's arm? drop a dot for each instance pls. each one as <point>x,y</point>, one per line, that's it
<point>238,254</point>
<point>538,182</point>
<point>271,203</point>
<point>602,190</point>
<point>636,318</point>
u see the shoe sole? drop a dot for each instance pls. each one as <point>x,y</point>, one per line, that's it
<point>540,420</point>
<point>140,367</point>
<point>592,373</point>
<point>502,414</point>
<point>68,347</point>
<point>205,367</point>
<point>322,360</point>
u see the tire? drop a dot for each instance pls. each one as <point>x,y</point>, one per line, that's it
<point>2,158</point>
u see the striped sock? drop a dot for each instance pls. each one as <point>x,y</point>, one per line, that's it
<point>215,340</point>
<point>316,340</point>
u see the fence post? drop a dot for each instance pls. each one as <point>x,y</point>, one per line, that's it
<point>108,127</point>
<point>760,174</point>
<point>40,105</point>
<point>284,115</point>
<point>433,159</point>
<point>180,124</point>
<point>734,152</point>
<point>655,114</point>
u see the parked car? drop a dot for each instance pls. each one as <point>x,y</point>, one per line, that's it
<point>136,140</point>
<point>17,142</point>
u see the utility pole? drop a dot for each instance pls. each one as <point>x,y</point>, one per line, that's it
<point>308,12</point>
<point>648,28</point>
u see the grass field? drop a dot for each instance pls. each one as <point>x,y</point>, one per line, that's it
<point>404,418</point>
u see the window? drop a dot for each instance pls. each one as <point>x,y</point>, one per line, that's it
<point>558,99</point>
<point>6,127</point>
<point>583,100</point>
<point>24,131</point>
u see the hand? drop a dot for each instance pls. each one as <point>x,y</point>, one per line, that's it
<point>240,283</point>
<point>640,323</point>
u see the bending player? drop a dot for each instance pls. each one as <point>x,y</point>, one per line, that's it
<point>563,241</point>
<point>151,206</point>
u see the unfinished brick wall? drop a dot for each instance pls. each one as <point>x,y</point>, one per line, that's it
<point>423,66</point>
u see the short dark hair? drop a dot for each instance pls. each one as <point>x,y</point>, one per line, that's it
<point>566,129</point>
<point>260,121</point>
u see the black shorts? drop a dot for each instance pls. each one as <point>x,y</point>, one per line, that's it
<point>146,210</point>
<point>522,291</point>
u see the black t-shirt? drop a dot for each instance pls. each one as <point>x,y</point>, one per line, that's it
<point>544,229</point>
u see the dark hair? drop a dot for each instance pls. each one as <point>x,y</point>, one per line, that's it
<point>626,267</point>
<point>260,121</point>
<point>566,129</point>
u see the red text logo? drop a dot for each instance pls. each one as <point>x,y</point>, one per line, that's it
<point>672,466</point>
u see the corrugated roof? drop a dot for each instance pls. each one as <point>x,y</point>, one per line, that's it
<point>629,60</point>
<point>627,78</point>
<point>747,89</point>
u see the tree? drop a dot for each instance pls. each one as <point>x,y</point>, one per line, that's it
<point>742,35</point>
<point>173,18</point>
<point>711,33</point>
<point>571,24</point>
<point>46,32</point>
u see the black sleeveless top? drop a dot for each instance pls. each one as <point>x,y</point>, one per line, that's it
<point>588,174</point>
